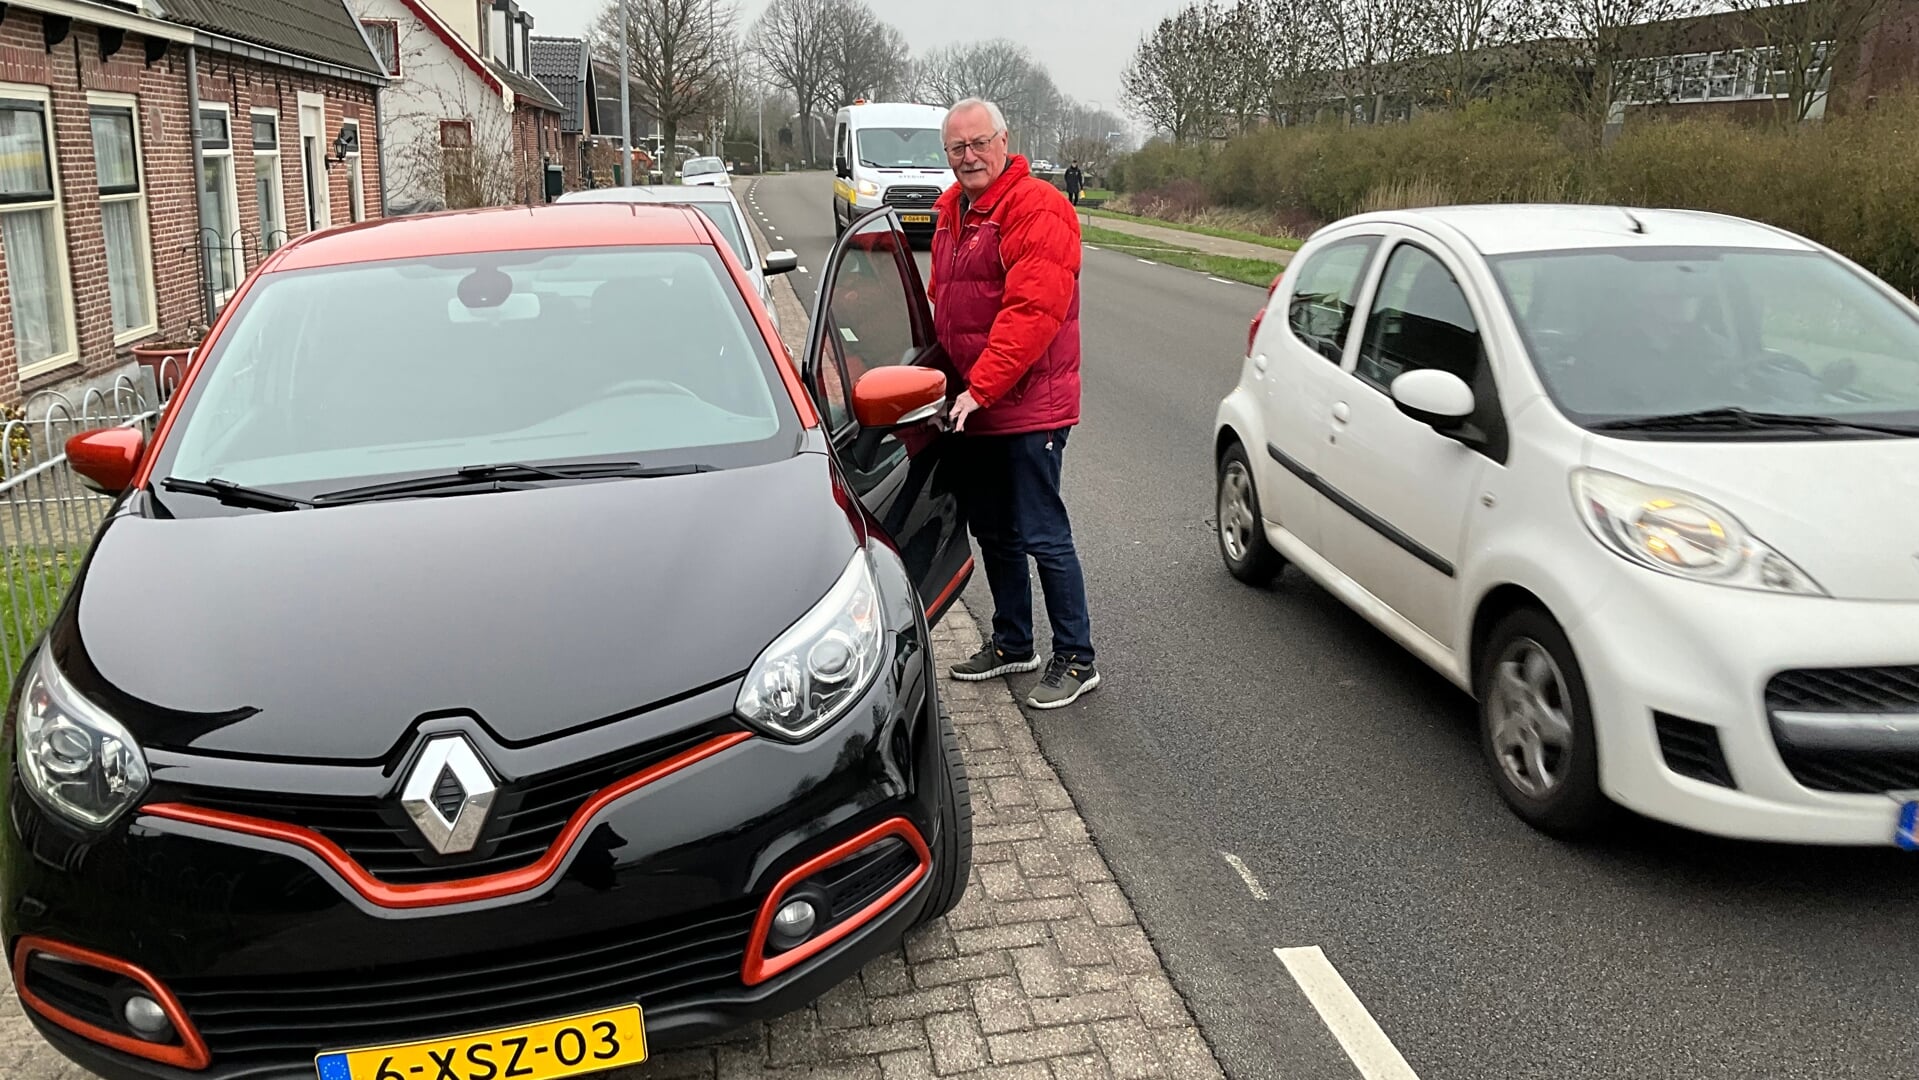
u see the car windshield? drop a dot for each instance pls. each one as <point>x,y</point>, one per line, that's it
<point>902,148</point>
<point>423,365</point>
<point>701,165</point>
<point>1619,333</point>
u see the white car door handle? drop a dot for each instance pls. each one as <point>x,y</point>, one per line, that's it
<point>1259,362</point>
<point>1341,412</point>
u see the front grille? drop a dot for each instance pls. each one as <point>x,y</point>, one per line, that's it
<point>910,197</point>
<point>1692,749</point>
<point>1847,690</point>
<point>527,817</point>
<point>81,991</point>
<point>1876,689</point>
<point>267,1021</point>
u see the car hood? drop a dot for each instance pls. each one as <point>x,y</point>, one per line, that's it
<point>323,634</point>
<point>1845,511</point>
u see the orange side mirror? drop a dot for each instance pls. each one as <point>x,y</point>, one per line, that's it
<point>106,458</point>
<point>891,397</point>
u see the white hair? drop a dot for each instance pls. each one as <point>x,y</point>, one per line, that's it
<point>992,112</point>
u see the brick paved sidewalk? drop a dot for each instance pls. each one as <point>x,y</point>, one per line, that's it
<point>1041,973</point>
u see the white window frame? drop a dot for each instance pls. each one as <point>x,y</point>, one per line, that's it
<point>141,212</point>
<point>40,96</point>
<point>355,183</point>
<point>314,173</point>
<point>234,238</point>
<point>279,178</point>
<point>394,26</point>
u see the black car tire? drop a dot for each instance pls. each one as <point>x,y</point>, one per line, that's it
<point>1257,563</point>
<point>953,857</point>
<point>1576,808</point>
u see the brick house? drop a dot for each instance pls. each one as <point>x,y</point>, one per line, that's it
<point>465,122</point>
<point>106,195</point>
<point>565,67</point>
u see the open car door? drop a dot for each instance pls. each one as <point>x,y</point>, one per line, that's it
<point>870,341</point>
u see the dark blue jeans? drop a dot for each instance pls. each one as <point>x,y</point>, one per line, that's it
<point>1009,485</point>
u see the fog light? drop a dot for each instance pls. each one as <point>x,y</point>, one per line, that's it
<point>793,922</point>
<point>147,1019</point>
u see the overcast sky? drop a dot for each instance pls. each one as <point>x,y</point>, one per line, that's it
<point>1083,43</point>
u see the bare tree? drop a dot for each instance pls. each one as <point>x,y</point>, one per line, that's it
<point>1289,55</point>
<point>1794,45</point>
<point>1000,71</point>
<point>1174,79</point>
<point>1472,43</point>
<point>1371,43</point>
<point>790,38</point>
<point>864,56</point>
<point>679,51</point>
<point>1601,37</point>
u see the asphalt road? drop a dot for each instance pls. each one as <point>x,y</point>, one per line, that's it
<point>1279,728</point>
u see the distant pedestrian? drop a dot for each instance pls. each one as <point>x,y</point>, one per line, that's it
<point>1075,182</point>
<point>1005,289</point>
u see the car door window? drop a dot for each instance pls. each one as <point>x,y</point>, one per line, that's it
<point>1320,312</point>
<point>1421,319</point>
<point>870,316</point>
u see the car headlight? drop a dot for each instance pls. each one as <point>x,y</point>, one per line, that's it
<point>869,189</point>
<point>75,759</point>
<point>816,669</point>
<point>1679,533</point>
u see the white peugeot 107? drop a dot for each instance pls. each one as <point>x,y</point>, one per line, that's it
<point>1644,483</point>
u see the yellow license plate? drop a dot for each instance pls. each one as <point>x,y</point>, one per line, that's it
<point>916,219</point>
<point>575,1046</point>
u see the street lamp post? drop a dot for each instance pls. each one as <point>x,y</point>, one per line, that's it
<point>626,103</point>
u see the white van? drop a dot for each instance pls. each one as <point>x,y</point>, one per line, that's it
<point>889,154</point>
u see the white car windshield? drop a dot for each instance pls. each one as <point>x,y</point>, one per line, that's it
<point>642,353</point>
<point>700,166</point>
<point>902,148</point>
<point>1620,333</point>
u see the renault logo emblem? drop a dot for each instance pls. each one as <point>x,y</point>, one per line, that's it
<point>449,794</point>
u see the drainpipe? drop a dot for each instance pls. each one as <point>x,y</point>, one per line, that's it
<point>199,174</point>
<point>379,133</point>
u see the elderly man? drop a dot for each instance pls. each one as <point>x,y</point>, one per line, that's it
<point>1005,290</point>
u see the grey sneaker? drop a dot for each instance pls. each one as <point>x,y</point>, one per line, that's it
<point>991,663</point>
<point>1065,680</point>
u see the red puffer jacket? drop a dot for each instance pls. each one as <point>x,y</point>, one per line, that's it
<point>1005,290</point>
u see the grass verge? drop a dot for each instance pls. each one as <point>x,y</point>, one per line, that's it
<point>1279,242</point>
<point>1251,271</point>
<point>35,580</point>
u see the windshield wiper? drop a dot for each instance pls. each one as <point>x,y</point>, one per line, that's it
<point>233,494</point>
<point>503,477</point>
<point>1733,418</point>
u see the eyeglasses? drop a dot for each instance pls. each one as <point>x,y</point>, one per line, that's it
<point>978,146</point>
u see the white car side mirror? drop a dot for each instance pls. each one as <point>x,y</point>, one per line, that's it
<point>779,262</point>
<point>1436,398</point>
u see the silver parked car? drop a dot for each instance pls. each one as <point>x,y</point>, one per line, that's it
<point>727,216</point>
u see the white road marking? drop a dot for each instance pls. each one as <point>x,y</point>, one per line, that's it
<point>1221,280</point>
<point>1371,1052</point>
<point>1148,262</point>
<point>802,269</point>
<point>1246,875</point>
<point>779,238</point>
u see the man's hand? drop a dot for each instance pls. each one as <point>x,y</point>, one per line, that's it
<point>963,407</point>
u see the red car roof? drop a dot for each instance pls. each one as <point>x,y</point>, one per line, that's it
<point>502,228</point>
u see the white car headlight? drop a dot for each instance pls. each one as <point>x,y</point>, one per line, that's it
<point>1679,533</point>
<point>869,189</point>
<point>75,759</point>
<point>822,663</point>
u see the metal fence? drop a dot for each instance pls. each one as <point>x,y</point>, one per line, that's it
<point>47,516</point>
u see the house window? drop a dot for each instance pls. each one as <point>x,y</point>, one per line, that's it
<point>123,215</point>
<point>1725,75</point>
<point>31,231</point>
<point>384,36</point>
<point>219,205</point>
<point>355,183</point>
<point>456,134</point>
<point>269,191</point>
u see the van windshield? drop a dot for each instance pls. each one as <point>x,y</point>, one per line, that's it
<point>901,148</point>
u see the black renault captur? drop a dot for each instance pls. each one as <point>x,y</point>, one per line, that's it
<point>503,660</point>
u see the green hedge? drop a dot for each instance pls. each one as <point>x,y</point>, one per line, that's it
<point>1851,182</point>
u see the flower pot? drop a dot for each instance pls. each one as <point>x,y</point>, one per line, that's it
<point>168,363</point>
